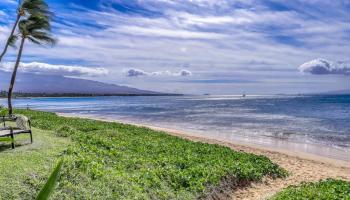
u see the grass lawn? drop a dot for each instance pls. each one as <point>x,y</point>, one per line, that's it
<point>329,189</point>
<point>25,169</point>
<point>104,160</point>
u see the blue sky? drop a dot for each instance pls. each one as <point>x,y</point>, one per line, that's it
<point>197,46</point>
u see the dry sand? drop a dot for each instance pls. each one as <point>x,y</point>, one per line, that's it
<point>302,167</point>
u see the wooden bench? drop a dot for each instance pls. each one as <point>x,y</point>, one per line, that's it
<point>22,127</point>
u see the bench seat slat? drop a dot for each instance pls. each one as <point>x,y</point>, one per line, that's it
<point>7,133</point>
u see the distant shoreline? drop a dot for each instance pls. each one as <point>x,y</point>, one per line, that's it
<point>20,95</point>
<point>35,95</point>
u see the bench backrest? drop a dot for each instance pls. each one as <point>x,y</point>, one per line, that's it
<point>22,122</point>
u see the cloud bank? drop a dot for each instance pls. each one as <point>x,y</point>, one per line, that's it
<point>322,67</point>
<point>218,39</point>
<point>61,70</point>
<point>139,72</point>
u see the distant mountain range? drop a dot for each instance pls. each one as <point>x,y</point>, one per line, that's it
<point>49,84</point>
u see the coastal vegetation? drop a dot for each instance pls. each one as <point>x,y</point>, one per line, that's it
<point>329,189</point>
<point>119,161</point>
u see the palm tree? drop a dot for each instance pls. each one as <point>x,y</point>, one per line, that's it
<point>36,29</point>
<point>26,7</point>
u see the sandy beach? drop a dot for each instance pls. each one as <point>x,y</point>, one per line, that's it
<point>301,166</point>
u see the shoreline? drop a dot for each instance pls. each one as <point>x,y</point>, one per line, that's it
<point>238,143</point>
<point>301,167</point>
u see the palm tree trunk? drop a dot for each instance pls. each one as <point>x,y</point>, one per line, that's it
<point>13,78</point>
<point>8,40</point>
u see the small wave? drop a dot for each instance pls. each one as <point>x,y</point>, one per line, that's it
<point>283,135</point>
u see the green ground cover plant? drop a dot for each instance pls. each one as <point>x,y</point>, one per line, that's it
<point>329,189</point>
<point>104,160</point>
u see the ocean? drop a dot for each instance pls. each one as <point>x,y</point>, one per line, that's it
<point>297,123</point>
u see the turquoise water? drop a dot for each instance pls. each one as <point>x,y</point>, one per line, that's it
<point>319,120</point>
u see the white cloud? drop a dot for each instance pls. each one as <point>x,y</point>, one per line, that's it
<point>170,33</point>
<point>191,19</point>
<point>2,14</point>
<point>139,72</point>
<point>3,33</point>
<point>10,1</point>
<point>62,70</point>
<point>322,66</point>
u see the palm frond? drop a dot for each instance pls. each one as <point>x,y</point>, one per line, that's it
<point>22,26</point>
<point>36,6</point>
<point>42,38</point>
<point>12,40</point>
<point>51,183</point>
<point>35,41</point>
<point>38,21</point>
<point>36,27</point>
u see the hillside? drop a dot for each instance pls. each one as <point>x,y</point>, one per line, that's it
<point>33,83</point>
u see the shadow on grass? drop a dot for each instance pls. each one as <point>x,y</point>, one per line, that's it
<point>7,146</point>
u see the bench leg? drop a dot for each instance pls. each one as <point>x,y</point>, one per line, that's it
<point>12,141</point>
<point>3,119</point>
<point>31,137</point>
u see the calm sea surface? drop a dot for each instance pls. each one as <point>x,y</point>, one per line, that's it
<point>264,120</point>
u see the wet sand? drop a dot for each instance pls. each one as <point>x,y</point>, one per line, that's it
<point>301,166</point>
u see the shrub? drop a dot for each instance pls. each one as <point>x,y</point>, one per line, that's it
<point>65,131</point>
<point>3,111</point>
<point>329,189</point>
